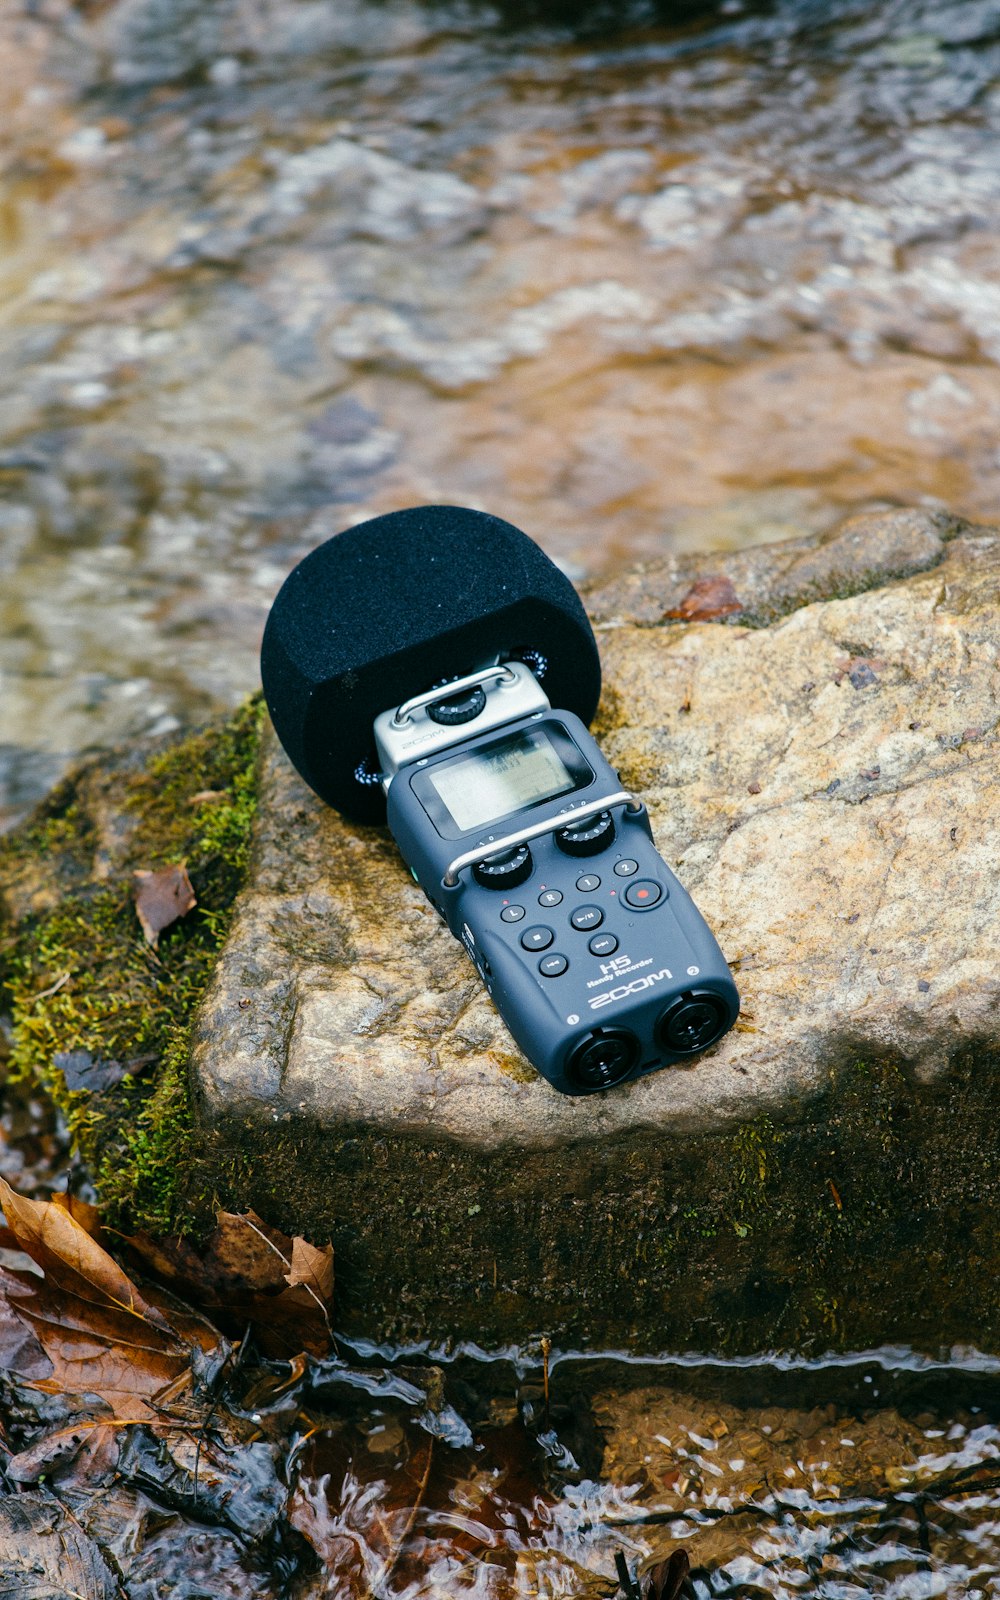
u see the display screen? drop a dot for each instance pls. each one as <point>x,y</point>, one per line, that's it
<point>498,779</point>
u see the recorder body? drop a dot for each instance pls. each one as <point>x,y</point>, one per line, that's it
<point>519,832</point>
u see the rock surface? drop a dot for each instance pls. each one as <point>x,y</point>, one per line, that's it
<point>825,786</point>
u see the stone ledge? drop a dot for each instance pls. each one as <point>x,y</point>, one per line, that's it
<point>818,844</point>
<point>823,785</point>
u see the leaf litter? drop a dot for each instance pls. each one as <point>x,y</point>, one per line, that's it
<point>182,1422</point>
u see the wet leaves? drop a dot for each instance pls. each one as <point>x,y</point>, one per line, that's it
<point>98,1333</point>
<point>666,1580</point>
<point>83,1072</point>
<point>45,1553</point>
<point>161,897</point>
<point>248,1273</point>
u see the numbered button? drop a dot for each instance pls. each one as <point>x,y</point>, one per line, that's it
<point>536,938</point>
<point>512,914</point>
<point>553,966</point>
<point>603,944</point>
<point>588,883</point>
<point>551,897</point>
<point>626,869</point>
<point>586,917</point>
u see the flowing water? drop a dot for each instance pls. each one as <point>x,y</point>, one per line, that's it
<point>639,278</point>
<point>457,1478</point>
<point>636,276</point>
<point>875,1476</point>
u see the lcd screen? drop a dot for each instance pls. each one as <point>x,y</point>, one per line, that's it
<point>502,778</point>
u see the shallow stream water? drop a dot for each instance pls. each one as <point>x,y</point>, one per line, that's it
<point>871,1476</point>
<point>639,279</point>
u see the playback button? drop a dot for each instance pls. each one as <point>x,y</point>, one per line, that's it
<point>586,917</point>
<point>603,944</point>
<point>643,893</point>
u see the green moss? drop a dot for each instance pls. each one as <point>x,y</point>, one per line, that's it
<point>81,977</point>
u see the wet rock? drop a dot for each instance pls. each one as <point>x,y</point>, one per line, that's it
<point>859,554</point>
<point>824,786</point>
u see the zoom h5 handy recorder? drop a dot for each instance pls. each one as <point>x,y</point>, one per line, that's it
<point>434,669</point>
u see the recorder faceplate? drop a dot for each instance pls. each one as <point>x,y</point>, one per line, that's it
<point>595,955</point>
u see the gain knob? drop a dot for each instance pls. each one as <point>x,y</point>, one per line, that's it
<point>587,837</point>
<point>506,869</point>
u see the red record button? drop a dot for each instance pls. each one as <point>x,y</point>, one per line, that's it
<point>643,893</point>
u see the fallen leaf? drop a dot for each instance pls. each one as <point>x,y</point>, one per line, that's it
<point>99,1332</point>
<point>705,600</point>
<point>51,1235</point>
<point>250,1272</point>
<point>81,1071</point>
<point>666,1579</point>
<point>20,1351</point>
<point>88,1216</point>
<point>248,1248</point>
<point>47,1455</point>
<point>162,897</point>
<point>45,1552</point>
<point>311,1267</point>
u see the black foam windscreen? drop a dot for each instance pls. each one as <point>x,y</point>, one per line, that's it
<point>392,607</point>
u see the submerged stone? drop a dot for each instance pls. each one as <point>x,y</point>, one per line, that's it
<point>828,1173</point>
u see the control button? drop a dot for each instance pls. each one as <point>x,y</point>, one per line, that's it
<point>536,938</point>
<point>588,883</point>
<point>588,836</point>
<point>512,914</point>
<point>603,944</point>
<point>587,917</point>
<point>458,708</point>
<point>625,869</point>
<point>551,897</point>
<point>643,893</point>
<point>553,966</point>
<point>505,870</point>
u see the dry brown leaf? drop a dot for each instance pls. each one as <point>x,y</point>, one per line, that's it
<point>162,897</point>
<point>49,1233</point>
<point>312,1268</point>
<point>705,600</point>
<point>101,1335</point>
<point>248,1248</point>
<point>251,1272</point>
<point>88,1216</point>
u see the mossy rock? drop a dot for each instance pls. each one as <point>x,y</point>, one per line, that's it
<point>319,1048</point>
<point>79,978</point>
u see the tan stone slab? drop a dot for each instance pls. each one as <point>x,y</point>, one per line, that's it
<point>826,788</point>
